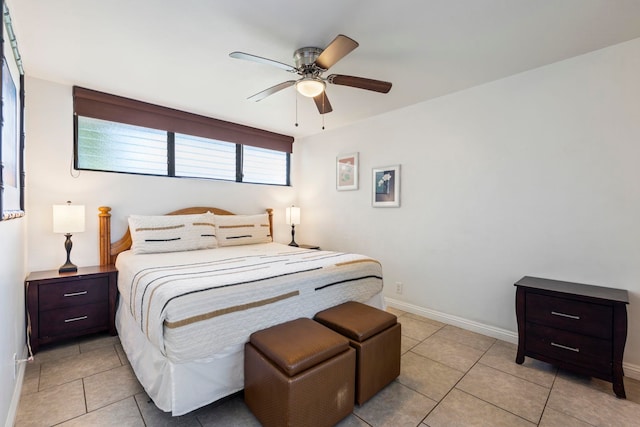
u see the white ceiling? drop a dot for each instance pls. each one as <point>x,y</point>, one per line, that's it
<point>175,53</point>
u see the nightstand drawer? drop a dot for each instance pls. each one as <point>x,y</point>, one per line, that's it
<point>589,352</point>
<point>576,316</point>
<point>69,320</point>
<point>73,293</point>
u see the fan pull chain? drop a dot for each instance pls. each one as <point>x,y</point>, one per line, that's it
<point>324,97</point>
<point>296,95</point>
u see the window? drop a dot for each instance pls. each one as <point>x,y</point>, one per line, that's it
<point>117,147</point>
<point>204,158</point>
<point>260,165</point>
<point>115,134</point>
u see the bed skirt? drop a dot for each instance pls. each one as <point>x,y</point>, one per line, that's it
<point>183,387</point>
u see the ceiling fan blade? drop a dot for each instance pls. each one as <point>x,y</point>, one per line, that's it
<point>360,83</point>
<point>273,89</point>
<point>323,104</point>
<point>337,49</point>
<point>254,58</point>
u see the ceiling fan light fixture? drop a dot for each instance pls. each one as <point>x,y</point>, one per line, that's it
<point>310,87</point>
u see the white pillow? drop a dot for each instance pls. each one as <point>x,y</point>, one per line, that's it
<point>172,233</point>
<point>232,230</point>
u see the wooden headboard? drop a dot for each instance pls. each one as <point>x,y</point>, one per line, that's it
<point>109,251</point>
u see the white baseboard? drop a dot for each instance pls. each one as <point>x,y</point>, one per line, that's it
<point>470,325</point>
<point>630,370</point>
<point>17,391</point>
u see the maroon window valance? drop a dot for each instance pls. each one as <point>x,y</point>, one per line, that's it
<point>99,105</point>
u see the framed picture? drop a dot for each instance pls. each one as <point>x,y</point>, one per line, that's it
<point>386,187</point>
<point>12,135</point>
<point>347,172</point>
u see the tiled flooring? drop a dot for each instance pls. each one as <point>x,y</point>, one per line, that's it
<point>449,377</point>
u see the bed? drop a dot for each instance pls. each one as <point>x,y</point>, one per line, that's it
<point>183,316</point>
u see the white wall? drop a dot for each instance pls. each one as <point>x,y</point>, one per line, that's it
<point>12,333</point>
<point>535,174</point>
<point>49,181</point>
<point>13,235</point>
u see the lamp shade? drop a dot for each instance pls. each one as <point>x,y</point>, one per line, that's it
<point>68,218</point>
<point>310,87</point>
<point>293,215</point>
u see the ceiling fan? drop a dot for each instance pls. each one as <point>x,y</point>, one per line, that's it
<point>311,63</point>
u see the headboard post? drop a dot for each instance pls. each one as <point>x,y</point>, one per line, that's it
<point>104,218</point>
<point>270,213</point>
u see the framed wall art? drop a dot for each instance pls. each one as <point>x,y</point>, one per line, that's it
<point>386,187</point>
<point>12,119</point>
<point>347,172</point>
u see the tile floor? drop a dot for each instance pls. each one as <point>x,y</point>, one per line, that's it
<point>449,377</point>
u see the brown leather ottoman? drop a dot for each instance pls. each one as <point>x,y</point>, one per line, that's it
<point>375,334</point>
<point>299,373</point>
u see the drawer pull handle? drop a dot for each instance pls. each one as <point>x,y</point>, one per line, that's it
<point>570,316</point>
<point>75,294</point>
<point>75,319</point>
<point>577,350</point>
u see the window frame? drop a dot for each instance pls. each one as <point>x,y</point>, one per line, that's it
<point>98,105</point>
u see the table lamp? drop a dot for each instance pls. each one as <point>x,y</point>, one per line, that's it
<point>293,217</point>
<point>68,219</point>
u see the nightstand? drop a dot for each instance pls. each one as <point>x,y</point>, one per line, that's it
<point>581,328</point>
<point>309,247</point>
<point>66,305</point>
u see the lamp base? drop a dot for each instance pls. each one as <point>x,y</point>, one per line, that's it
<point>68,268</point>
<point>293,236</point>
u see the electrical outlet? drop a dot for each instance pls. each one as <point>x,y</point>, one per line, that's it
<point>398,287</point>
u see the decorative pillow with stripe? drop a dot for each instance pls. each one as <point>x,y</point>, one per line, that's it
<point>172,233</point>
<point>232,230</point>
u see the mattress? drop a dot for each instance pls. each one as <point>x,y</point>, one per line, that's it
<point>179,382</point>
<point>193,305</point>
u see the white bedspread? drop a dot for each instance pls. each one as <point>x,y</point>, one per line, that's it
<point>192,305</point>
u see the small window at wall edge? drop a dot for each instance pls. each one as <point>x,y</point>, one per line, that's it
<point>118,134</point>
